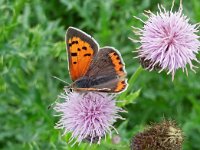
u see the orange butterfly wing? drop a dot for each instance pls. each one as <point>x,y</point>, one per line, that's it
<point>81,48</point>
<point>120,70</point>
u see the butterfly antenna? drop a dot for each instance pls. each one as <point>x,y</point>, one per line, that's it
<point>60,80</point>
<point>53,104</point>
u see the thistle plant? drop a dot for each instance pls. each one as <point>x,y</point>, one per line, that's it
<point>87,116</point>
<point>168,41</point>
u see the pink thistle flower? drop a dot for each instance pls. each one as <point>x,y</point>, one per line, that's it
<point>88,116</point>
<point>168,41</point>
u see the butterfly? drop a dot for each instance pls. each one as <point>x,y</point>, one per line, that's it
<point>92,68</point>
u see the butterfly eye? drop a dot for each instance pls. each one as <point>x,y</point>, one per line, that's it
<point>70,89</point>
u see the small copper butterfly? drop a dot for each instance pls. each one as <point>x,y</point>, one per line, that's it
<point>92,68</point>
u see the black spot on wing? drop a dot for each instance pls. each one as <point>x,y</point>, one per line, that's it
<point>88,54</point>
<point>73,54</point>
<point>123,82</point>
<point>115,54</point>
<point>74,42</point>
<point>120,69</point>
<point>84,48</point>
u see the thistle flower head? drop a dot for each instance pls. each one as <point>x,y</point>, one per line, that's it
<point>87,116</point>
<point>168,41</point>
<point>162,136</point>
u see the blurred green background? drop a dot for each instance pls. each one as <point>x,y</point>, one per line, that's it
<point>32,49</point>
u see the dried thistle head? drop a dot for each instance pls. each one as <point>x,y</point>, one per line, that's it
<point>162,136</point>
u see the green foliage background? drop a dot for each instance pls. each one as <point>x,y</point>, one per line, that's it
<point>32,50</point>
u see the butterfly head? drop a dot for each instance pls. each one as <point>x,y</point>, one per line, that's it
<point>73,86</point>
<point>68,89</point>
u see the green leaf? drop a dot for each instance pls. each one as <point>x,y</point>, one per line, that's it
<point>130,98</point>
<point>131,82</point>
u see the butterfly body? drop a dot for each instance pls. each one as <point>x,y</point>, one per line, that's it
<point>92,68</point>
<point>87,82</point>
